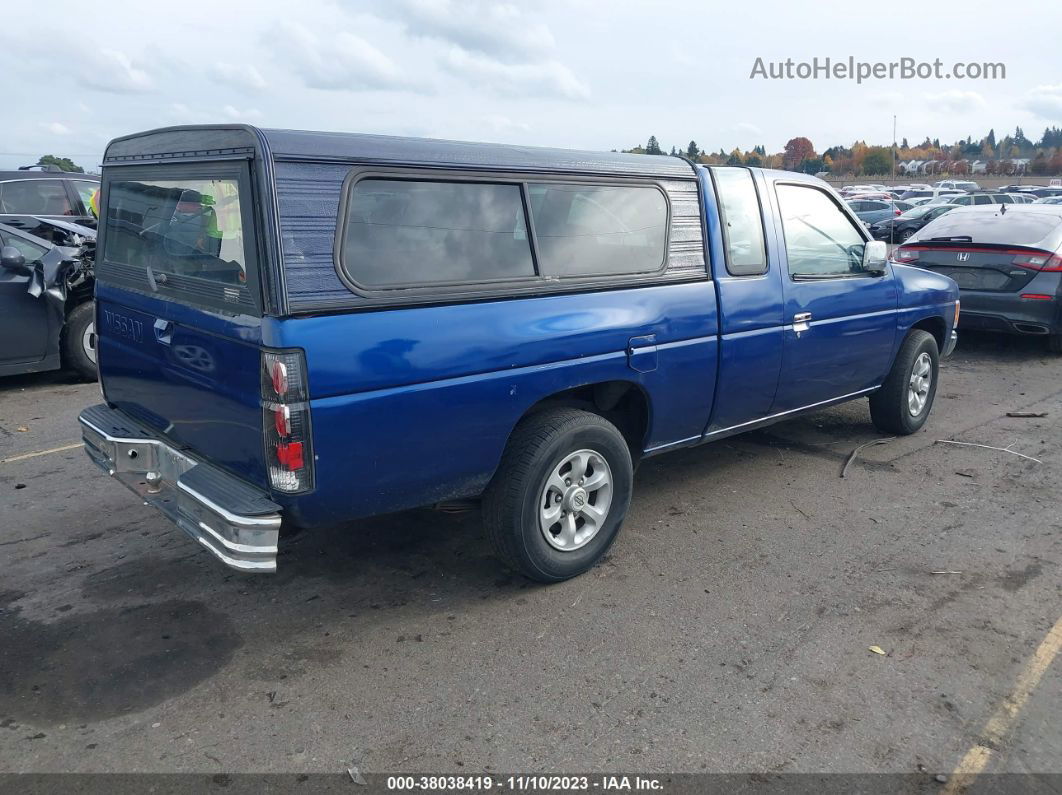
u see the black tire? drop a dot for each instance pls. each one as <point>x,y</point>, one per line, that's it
<point>538,445</point>
<point>1054,343</point>
<point>889,406</point>
<point>75,355</point>
<point>906,235</point>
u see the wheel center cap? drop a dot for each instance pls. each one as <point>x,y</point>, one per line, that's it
<point>576,498</point>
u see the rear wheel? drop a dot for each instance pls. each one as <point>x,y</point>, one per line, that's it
<point>79,340</point>
<point>903,403</point>
<point>906,235</point>
<point>560,494</point>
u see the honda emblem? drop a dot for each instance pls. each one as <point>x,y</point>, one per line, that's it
<point>962,256</point>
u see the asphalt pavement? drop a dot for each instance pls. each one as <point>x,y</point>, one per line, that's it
<point>729,629</point>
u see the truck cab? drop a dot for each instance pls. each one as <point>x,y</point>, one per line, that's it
<point>308,328</point>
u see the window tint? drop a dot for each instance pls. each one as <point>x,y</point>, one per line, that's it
<point>31,251</point>
<point>180,227</point>
<point>405,232</point>
<point>586,230</point>
<point>739,208</point>
<point>35,197</point>
<point>819,238</point>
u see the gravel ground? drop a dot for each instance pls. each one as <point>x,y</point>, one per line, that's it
<point>727,631</point>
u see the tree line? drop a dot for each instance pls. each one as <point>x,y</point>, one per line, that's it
<point>799,154</point>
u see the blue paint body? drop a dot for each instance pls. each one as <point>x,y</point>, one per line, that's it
<point>414,404</point>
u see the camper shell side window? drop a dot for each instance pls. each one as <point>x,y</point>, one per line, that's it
<point>418,232</point>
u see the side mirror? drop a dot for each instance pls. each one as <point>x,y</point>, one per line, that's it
<point>875,255</point>
<point>11,259</point>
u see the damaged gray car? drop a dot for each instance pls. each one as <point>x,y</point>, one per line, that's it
<point>47,316</point>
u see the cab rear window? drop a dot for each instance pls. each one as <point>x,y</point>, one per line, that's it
<point>185,237</point>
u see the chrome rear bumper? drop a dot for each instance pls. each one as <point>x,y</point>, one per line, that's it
<point>234,521</point>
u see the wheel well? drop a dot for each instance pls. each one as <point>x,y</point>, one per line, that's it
<point>935,326</point>
<point>623,403</point>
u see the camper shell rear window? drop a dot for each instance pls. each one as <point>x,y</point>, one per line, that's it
<point>181,232</point>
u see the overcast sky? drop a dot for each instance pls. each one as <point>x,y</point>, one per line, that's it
<point>571,73</point>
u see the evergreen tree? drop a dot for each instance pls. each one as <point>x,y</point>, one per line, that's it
<point>653,146</point>
<point>693,151</point>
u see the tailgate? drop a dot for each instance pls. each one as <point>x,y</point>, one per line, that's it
<point>177,309</point>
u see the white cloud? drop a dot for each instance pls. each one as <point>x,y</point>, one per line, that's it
<point>546,79</point>
<point>1045,101</point>
<point>341,62</point>
<point>957,101</point>
<point>748,128</point>
<point>242,76</point>
<point>251,114</point>
<point>56,128</point>
<point>113,71</point>
<point>498,29</point>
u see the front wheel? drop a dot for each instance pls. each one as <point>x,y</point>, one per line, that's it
<point>560,494</point>
<point>903,403</point>
<point>906,235</point>
<point>79,340</point>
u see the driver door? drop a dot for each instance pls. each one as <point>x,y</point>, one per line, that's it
<point>839,320</point>
<point>25,321</point>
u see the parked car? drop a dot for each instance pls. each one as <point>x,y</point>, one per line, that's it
<point>27,195</point>
<point>331,326</point>
<point>918,202</point>
<point>930,193</point>
<point>957,184</point>
<point>1021,198</point>
<point>46,310</point>
<point>971,199</point>
<point>870,211</point>
<point>1049,200</point>
<point>1043,193</point>
<point>1007,261</point>
<point>903,226</point>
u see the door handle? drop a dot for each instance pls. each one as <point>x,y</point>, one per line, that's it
<point>801,322</point>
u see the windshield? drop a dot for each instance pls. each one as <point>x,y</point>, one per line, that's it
<point>917,212</point>
<point>1015,227</point>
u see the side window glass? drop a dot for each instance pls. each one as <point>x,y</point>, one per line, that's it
<point>739,209</point>
<point>820,241</point>
<point>35,197</point>
<point>596,230</point>
<point>86,191</point>
<point>417,232</point>
<point>31,251</point>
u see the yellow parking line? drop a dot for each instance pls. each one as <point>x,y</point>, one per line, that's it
<point>24,456</point>
<point>1003,719</point>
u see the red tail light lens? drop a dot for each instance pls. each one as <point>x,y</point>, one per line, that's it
<point>286,421</point>
<point>289,454</point>
<point>1038,261</point>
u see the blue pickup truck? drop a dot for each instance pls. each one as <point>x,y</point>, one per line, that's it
<point>305,328</point>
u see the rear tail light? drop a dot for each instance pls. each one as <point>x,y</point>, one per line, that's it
<point>1038,260</point>
<point>286,421</point>
<point>905,255</point>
